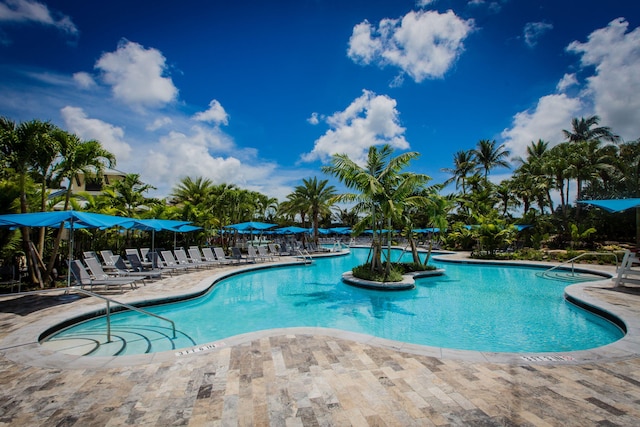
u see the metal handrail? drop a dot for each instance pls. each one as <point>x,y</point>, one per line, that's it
<point>304,254</point>
<point>572,261</point>
<point>130,307</point>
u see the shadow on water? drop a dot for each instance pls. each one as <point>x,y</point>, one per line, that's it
<point>351,301</point>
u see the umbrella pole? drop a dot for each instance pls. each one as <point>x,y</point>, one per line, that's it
<point>69,258</point>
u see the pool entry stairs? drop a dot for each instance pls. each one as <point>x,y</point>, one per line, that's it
<point>567,272</point>
<point>105,339</point>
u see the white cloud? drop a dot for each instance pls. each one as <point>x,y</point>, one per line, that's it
<point>423,44</point>
<point>215,114</point>
<point>567,81</point>
<point>370,120</point>
<point>178,155</point>
<point>158,123</point>
<point>136,75</point>
<point>111,137</point>
<point>552,114</point>
<point>615,55</point>
<point>424,3</point>
<point>534,30</point>
<point>314,119</point>
<point>84,80</point>
<point>33,11</point>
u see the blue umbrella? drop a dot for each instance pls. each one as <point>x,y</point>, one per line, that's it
<point>69,219</point>
<point>292,229</point>
<point>251,225</point>
<point>153,225</point>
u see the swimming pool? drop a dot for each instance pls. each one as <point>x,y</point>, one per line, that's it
<point>472,307</point>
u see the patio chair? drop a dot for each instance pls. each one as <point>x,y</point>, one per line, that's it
<point>274,250</point>
<point>181,257</point>
<point>262,251</point>
<point>82,278</point>
<point>170,261</point>
<point>134,251</point>
<point>137,265</point>
<point>223,258</point>
<point>236,253</point>
<point>106,257</point>
<point>123,270</point>
<point>99,274</point>
<point>195,254</point>
<point>253,256</point>
<point>210,257</point>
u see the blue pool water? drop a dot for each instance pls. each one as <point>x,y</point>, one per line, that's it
<point>471,307</point>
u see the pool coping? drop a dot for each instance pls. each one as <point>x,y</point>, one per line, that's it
<point>22,345</point>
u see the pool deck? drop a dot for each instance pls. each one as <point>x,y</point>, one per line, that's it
<point>311,376</point>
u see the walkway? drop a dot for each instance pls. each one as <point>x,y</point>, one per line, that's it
<point>307,377</point>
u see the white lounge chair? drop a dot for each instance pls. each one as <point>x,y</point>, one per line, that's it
<point>220,255</point>
<point>82,278</point>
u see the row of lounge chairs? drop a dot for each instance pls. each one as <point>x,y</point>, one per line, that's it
<point>108,269</point>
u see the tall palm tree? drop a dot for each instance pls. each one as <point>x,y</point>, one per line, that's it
<point>464,165</point>
<point>583,130</point>
<point>488,156</point>
<point>381,188</point>
<point>19,144</point>
<point>315,197</point>
<point>77,156</point>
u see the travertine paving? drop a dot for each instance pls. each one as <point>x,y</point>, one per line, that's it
<point>307,377</point>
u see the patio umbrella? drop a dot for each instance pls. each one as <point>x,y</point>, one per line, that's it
<point>250,226</point>
<point>153,225</point>
<point>69,219</point>
<point>618,205</point>
<point>291,229</point>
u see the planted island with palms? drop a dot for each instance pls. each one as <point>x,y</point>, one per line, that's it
<point>530,215</point>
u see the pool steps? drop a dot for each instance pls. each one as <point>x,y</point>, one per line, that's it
<point>136,340</point>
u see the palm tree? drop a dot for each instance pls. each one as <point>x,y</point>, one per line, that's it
<point>315,198</point>
<point>77,156</point>
<point>464,164</point>
<point>381,188</point>
<point>126,196</point>
<point>583,130</point>
<point>19,144</point>
<point>488,156</point>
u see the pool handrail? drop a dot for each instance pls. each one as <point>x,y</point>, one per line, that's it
<point>130,307</point>
<point>573,260</point>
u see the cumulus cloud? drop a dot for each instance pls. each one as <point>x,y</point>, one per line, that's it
<point>136,75</point>
<point>215,114</point>
<point>534,30</point>
<point>198,153</point>
<point>23,11</point>
<point>567,81</point>
<point>614,53</point>
<point>423,44</point>
<point>84,80</point>
<point>111,137</point>
<point>369,120</point>
<point>552,114</point>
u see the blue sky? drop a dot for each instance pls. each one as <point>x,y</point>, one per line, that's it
<point>261,93</point>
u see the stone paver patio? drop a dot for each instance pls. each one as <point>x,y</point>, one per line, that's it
<point>311,376</point>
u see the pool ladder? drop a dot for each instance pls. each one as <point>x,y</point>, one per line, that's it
<point>573,276</point>
<point>304,255</point>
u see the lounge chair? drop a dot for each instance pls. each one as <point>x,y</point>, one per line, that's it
<point>252,255</point>
<point>223,258</point>
<point>106,257</point>
<point>83,278</point>
<point>137,265</point>
<point>182,258</point>
<point>122,270</point>
<point>210,257</point>
<point>170,261</point>
<point>236,253</point>
<point>628,272</point>
<point>262,251</point>
<point>196,256</point>
<point>134,251</point>
<point>99,274</point>
<point>274,250</point>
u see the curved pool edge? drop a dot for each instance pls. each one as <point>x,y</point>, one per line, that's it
<point>22,346</point>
